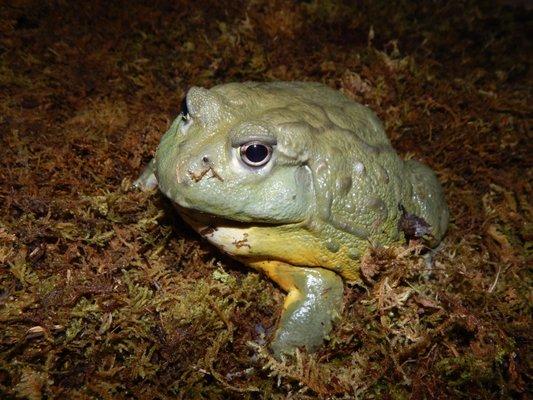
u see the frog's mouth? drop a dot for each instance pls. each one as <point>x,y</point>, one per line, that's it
<point>200,219</point>
<point>203,220</point>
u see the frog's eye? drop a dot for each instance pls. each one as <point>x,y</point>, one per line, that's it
<point>255,154</point>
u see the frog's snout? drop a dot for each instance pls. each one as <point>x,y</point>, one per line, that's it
<point>195,170</point>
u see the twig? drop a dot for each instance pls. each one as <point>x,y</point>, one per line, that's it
<point>493,286</point>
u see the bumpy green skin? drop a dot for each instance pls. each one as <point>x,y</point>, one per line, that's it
<point>333,187</point>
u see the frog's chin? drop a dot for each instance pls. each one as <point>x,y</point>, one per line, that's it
<point>229,236</point>
<point>236,238</point>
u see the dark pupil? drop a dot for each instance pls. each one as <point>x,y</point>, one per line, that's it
<point>256,153</point>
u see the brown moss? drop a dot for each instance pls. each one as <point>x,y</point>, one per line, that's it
<point>106,293</point>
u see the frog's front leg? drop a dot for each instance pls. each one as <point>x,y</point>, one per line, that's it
<point>314,300</point>
<point>147,180</point>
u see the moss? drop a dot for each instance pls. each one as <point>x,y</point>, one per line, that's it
<point>106,294</point>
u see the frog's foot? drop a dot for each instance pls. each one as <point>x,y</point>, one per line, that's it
<point>313,301</point>
<point>147,180</point>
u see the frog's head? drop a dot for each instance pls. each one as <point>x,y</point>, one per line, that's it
<point>237,153</point>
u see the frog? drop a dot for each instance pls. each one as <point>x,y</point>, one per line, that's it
<point>297,181</point>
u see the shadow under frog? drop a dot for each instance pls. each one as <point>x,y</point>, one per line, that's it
<point>297,181</point>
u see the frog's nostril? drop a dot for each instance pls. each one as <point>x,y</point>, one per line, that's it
<point>205,159</point>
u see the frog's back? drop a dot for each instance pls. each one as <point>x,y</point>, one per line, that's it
<point>331,107</point>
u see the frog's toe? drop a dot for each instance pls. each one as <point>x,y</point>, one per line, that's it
<point>147,180</point>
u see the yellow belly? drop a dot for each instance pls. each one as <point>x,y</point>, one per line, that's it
<point>291,244</point>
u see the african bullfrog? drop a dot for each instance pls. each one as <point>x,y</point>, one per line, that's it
<point>297,181</point>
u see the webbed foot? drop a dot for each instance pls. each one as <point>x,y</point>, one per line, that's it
<point>313,302</point>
